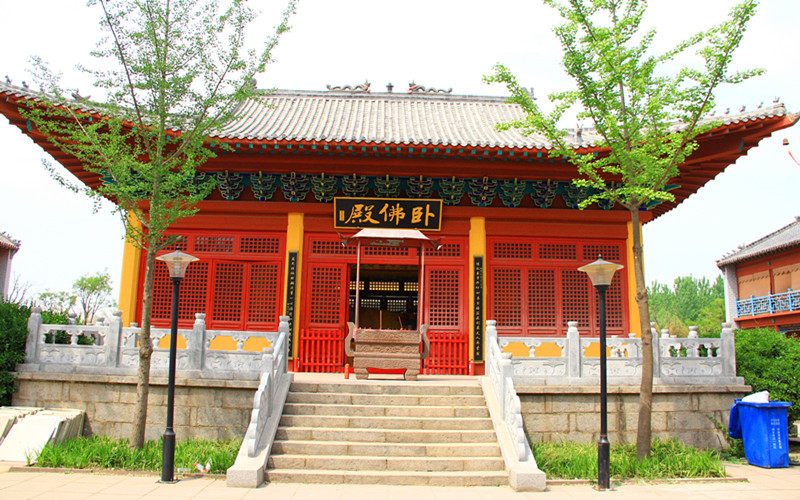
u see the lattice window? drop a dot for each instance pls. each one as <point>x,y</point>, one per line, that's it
<point>444,286</point>
<point>541,298</point>
<point>411,286</point>
<point>370,303</point>
<point>331,247</point>
<point>192,298</point>
<point>353,285</point>
<point>507,286</point>
<point>217,244</point>
<point>228,285</point>
<point>384,286</point>
<point>264,293</point>
<point>395,305</point>
<point>326,295</point>
<point>608,252</point>
<point>560,251</point>
<point>447,250</point>
<point>178,245</point>
<point>613,304</point>
<point>503,250</point>
<point>385,251</point>
<point>575,297</point>
<point>261,245</point>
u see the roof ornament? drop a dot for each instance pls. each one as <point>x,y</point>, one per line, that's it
<point>578,130</point>
<point>776,100</point>
<point>77,97</point>
<point>364,87</point>
<point>531,94</point>
<point>743,108</point>
<point>8,80</point>
<point>25,84</point>
<point>413,88</point>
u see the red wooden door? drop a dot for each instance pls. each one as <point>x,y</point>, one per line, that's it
<point>445,313</point>
<point>323,330</point>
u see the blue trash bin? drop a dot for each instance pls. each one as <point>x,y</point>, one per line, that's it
<point>764,429</point>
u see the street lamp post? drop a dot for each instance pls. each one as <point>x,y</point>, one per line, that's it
<point>601,272</point>
<point>177,262</point>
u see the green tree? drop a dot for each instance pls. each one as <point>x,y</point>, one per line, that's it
<point>58,302</point>
<point>634,99</point>
<point>92,292</point>
<point>173,72</point>
<point>690,302</point>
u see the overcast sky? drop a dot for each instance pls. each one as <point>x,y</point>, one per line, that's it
<point>438,43</point>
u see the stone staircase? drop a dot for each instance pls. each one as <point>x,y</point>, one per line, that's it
<point>387,432</point>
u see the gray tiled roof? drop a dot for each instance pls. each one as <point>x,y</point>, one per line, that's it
<point>392,118</point>
<point>8,242</point>
<point>785,237</point>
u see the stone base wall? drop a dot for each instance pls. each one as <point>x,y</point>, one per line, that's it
<point>208,409</point>
<point>685,412</point>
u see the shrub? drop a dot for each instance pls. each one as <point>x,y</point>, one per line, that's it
<point>768,361</point>
<point>13,333</point>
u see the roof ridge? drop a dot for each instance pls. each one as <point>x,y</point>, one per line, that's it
<point>742,249</point>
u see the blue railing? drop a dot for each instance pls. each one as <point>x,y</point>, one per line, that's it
<point>769,304</point>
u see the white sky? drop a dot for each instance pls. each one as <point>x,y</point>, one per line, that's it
<point>438,43</point>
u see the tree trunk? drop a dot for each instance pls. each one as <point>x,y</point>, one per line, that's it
<point>644,431</point>
<point>145,353</point>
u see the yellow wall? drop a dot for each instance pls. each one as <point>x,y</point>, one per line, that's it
<point>477,248</point>
<point>633,307</point>
<point>294,243</point>
<point>129,280</point>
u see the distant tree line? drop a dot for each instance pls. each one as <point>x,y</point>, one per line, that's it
<point>688,302</point>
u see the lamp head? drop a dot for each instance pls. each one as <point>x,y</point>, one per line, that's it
<point>601,272</point>
<point>177,262</point>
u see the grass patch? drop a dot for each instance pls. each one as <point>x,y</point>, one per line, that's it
<point>99,452</point>
<point>669,459</point>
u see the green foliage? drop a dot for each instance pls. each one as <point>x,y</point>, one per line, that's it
<point>768,361</point>
<point>13,334</point>
<point>92,292</point>
<point>59,302</point>
<point>623,89</point>
<point>100,452</point>
<point>690,302</point>
<point>669,459</point>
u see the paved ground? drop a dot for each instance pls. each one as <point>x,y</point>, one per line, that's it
<point>760,484</point>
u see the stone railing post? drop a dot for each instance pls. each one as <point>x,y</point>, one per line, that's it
<point>656,351</point>
<point>113,339</point>
<point>693,333</point>
<point>34,335</point>
<point>283,327</point>
<point>727,350</point>
<point>574,357</point>
<point>196,343</point>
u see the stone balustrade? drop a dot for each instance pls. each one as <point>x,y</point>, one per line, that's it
<point>112,349</point>
<point>575,360</point>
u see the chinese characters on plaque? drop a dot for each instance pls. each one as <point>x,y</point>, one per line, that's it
<point>395,213</point>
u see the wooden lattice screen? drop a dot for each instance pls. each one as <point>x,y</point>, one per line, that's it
<point>534,286</point>
<point>238,282</point>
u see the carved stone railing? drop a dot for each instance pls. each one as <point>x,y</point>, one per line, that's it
<point>275,366</point>
<point>575,360</point>
<point>248,469</point>
<point>114,349</point>
<point>506,411</point>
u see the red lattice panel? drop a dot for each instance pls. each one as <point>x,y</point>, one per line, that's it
<point>178,245</point>
<point>608,252</point>
<point>265,297</point>
<point>449,351</point>
<point>447,250</point>
<point>321,350</point>
<point>326,299</point>
<point>444,297</point>
<point>215,244</point>
<point>228,286</point>
<point>260,245</point>
<point>541,298</point>
<point>614,320</point>
<point>507,288</point>
<point>192,297</point>
<point>331,247</point>
<point>503,250</point>
<point>559,251</point>
<point>575,286</point>
<point>382,251</point>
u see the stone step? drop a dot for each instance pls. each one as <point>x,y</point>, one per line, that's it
<point>386,411</point>
<point>444,478</point>
<point>409,423</point>
<point>355,463</point>
<point>378,435</point>
<point>344,448</point>
<point>347,398</point>
<point>397,388</point>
